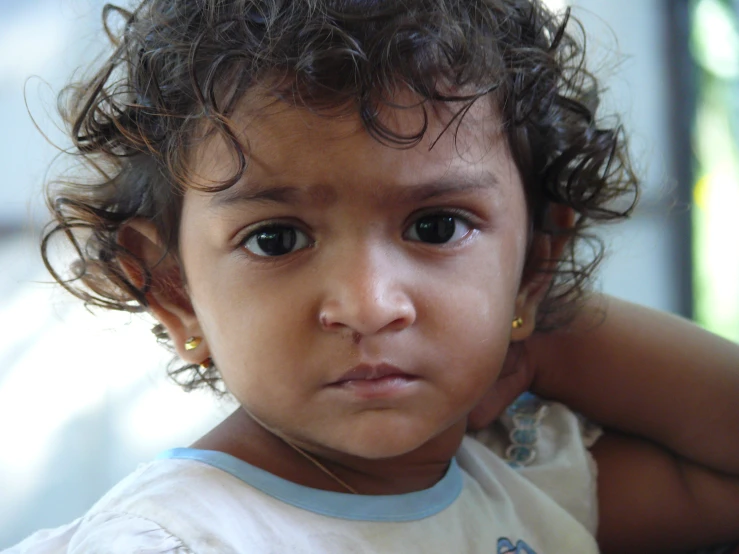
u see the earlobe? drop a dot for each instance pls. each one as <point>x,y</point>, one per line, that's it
<point>527,304</point>
<point>165,291</point>
<point>546,251</point>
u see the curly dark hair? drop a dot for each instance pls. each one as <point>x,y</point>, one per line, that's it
<point>179,63</point>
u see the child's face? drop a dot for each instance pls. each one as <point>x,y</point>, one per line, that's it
<point>337,251</point>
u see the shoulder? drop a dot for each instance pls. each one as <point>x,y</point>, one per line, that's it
<point>164,506</point>
<point>163,485</point>
<point>110,532</point>
<point>193,501</point>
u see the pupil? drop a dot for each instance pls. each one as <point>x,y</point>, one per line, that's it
<point>277,241</point>
<point>435,229</point>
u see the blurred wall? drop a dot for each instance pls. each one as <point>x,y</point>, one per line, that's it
<point>41,43</point>
<point>646,256</point>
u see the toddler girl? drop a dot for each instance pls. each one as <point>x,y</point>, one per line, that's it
<point>343,212</point>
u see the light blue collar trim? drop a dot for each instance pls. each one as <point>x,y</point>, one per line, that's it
<point>399,507</point>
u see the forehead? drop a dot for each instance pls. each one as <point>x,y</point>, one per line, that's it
<point>283,142</point>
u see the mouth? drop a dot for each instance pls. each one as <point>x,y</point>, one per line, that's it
<point>367,372</point>
<point>375,381</point>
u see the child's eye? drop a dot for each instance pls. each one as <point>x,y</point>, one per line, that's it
<point>275,240</point>
<point>438,228</point>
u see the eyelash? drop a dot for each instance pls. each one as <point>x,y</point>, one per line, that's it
<point>298,233</point>
<point>300,236</point>
<point>459,215</point>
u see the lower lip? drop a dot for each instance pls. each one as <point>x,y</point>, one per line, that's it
<point>392,385</point>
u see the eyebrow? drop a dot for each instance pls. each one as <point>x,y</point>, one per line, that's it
<point>448,185</point>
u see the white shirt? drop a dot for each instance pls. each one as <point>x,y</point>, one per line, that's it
<point>193,501</point>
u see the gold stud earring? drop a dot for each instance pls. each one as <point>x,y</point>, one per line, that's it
<point>517,323</point>
<point>192,343</point>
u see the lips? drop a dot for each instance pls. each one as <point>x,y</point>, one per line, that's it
<point>368,372</point>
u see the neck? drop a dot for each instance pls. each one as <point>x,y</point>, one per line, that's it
<point>241,436</point>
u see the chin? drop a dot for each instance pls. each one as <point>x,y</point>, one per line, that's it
<point>387,445</point>
<point>382,452</point>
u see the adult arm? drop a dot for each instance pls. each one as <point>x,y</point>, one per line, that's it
<point>647,373</point>
<point>668,394</point>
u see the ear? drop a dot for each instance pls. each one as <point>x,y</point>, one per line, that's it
<point>167,294</point>
<point>546,251</point>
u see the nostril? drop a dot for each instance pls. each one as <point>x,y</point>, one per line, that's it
<point>329,323</point>
<point>356,336</point>
<point>360,315</point>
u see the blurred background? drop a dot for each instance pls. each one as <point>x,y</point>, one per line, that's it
<point>83,397</point>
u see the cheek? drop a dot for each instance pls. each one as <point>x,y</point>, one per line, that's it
<point>485,284</point>
<point>476,323</point>
<point>249,326</point>
<point>236,317</point>
<point>473,310</point>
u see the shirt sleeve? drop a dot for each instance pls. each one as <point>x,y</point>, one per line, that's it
<point>103,532</point>
<point>120,533</point>
<point>46,541</point>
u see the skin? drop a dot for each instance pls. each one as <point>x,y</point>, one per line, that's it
<point>360,287</point>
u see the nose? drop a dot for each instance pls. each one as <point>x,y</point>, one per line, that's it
<point>365,294</point>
